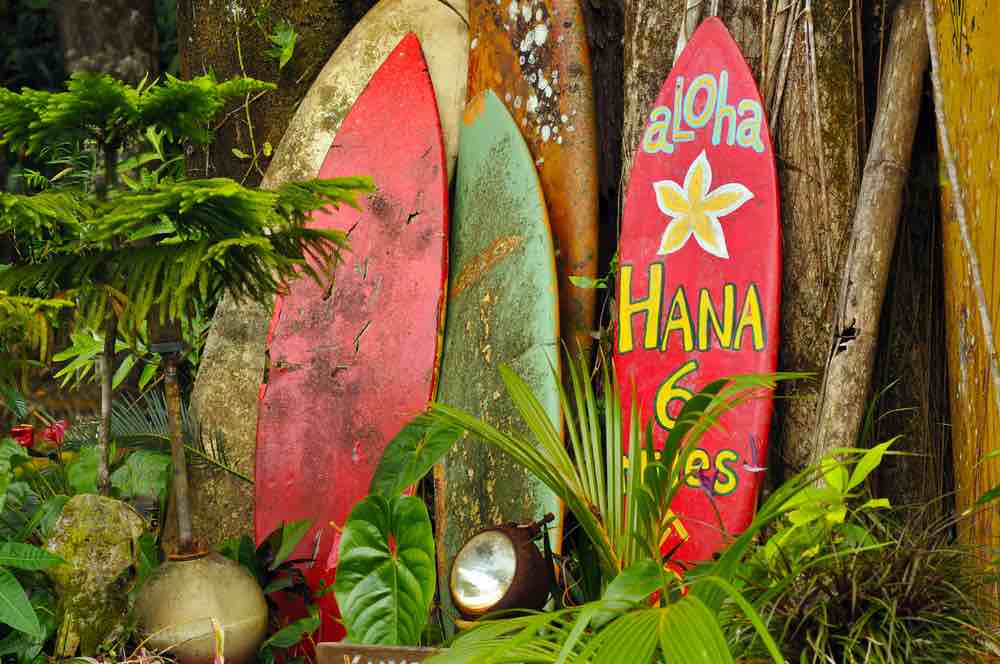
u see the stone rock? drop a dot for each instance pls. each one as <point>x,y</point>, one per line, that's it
<point>98,538</point>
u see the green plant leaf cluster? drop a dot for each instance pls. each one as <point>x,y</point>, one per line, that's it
<point>98,107</point>
<point>210,236</point>
<point>283,38</point>
<point>854,584</point>
<point>624,514</point>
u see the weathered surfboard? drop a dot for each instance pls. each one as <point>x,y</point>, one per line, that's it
<point>502,310</point>
<point>968,34</point>
<point>700,277</point>
<point>350,365</point>
<point>233,362</point>
<point>534,55</point>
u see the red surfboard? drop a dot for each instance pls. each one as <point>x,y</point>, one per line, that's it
<point>700,277</point>
<point>349,367</point>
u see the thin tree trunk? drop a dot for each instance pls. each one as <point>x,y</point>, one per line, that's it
<point>850,366</point>
<point>106,370</point>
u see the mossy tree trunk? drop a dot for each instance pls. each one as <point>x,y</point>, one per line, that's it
<point>231,38</point>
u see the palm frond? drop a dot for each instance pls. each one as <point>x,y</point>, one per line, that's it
<point>142,422</point>
<point>624,509</point>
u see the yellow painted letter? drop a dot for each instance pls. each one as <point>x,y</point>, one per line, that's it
<point>628,307</point>
<point>708,318</point>
<point>679,321</point>
<point>751,317</point>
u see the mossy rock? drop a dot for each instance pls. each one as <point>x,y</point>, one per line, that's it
<point>98,539</point>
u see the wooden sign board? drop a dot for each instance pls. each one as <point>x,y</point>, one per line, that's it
<point>347,653</point>
<point>700,278</point>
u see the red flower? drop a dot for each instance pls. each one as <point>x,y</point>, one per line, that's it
<point>24,435</point>
<point>55,432</point>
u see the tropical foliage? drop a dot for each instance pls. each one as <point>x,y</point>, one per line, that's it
<point>161,246</point>
<point>845,578</point>
<point>623,514</point>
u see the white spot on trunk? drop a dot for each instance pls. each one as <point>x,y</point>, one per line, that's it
<point>541,33</point>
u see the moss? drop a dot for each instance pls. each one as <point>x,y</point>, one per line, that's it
<point>96,536</point>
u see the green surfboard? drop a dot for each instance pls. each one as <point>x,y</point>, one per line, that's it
<point>502,309</point>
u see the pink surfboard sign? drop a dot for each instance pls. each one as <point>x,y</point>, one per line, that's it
<point>351,366</point>
<point>700,279</point>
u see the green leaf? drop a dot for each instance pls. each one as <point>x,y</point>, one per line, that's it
<point>411,454</point>
<point>691,634</point>
<point>15,609</point>
<point>834,473</point>
<point>386,575</point>
<point>15,402</point>
<point>144,473</point>
<point>587,282</point>
<point>81,473</point>
<point>869,462</point>
<point>292,633</point>
<point>45,517</point>
<point>240,154</point>
<point>284,44</point>
<point>25,556</point>
<point>147,558</point>
<point>877,503</point>
<point>148,371</point>
<point>291,534</point>
<point>989,496</point>
<point>632,586</point>
<point>123,371</point>
<point>27,647</point>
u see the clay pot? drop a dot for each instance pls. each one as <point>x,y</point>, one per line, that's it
<point>176,605</point>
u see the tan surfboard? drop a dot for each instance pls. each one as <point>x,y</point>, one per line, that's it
<point>232,365</point>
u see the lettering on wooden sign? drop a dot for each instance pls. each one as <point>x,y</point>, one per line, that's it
<point>348,653</point>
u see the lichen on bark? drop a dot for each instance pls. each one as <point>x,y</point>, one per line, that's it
<point>98,538</point>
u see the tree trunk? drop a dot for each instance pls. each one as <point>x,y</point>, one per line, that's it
<point>116,37</point>
<point>231,39</point>
<point>848,374</point>
<point>817,120</point>
<point>911,370</point>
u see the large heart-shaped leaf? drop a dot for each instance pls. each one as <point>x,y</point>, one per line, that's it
<point>411,454</point>
<point>386,576</point>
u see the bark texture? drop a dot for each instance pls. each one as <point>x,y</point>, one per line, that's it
<point>910,370</point>
<point>849,369</point>
<point>817,121</point>
<point>230,39</point>
<point>116,37</point>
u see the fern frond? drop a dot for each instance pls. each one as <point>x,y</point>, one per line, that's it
<point>50,216</point>
<point>184,108</point>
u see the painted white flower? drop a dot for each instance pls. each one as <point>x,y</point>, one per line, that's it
<point>694,210</point>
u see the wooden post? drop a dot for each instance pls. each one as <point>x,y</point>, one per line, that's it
<point>843,397</point>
